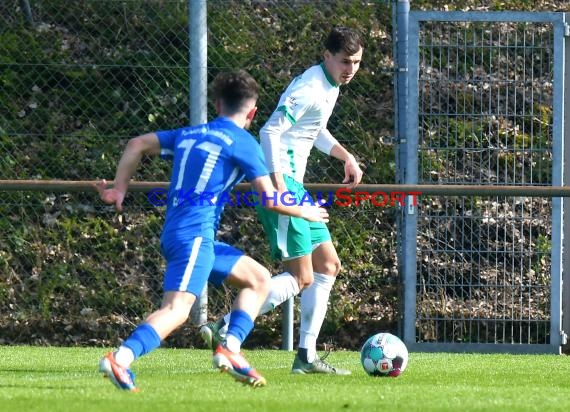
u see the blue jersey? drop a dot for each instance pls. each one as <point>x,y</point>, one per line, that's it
<point>209,160</point>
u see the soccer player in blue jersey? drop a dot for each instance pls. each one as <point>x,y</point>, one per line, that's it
<point>298,124</point>
<point>210,158</point>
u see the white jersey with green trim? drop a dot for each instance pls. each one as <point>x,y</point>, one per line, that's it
<point>307,104</point>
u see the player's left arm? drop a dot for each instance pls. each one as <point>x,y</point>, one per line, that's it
<point>135,149</point>
<point>327,144</point>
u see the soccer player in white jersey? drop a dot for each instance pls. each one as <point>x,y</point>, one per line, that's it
<point>306,249</point>
<point>208,161</point>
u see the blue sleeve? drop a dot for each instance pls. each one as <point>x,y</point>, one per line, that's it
<point>249,157</point>
<point>167,140</point>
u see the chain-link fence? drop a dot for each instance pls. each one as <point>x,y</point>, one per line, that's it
<point>486,110</point>
<point>490,112</point>
<point>78,79</point>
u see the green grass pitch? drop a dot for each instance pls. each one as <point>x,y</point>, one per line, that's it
<point>66,379</point>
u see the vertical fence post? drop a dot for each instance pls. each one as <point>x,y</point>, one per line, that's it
<point>557,180</point>
<point>564,264</point>
<point>406,159</point>
<point>400,21</point>
<point>287,324</point>
<point>27,11</point>
<point>400,166</point>
<point>198,32</point>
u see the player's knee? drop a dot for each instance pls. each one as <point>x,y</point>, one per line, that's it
<point>258,280</point>
<point>331,267</point>
<point>176,313</point>
<point>304,280</point>
<point>261,280</point>
<point>305,284</point>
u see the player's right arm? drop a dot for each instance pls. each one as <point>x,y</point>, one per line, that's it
<point>293,104</point>
<point>270,140</point>
<point>135,149</point>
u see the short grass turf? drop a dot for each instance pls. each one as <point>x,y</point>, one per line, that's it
<point>66,379</point>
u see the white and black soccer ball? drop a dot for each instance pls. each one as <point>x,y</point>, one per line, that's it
<point>384,354</point>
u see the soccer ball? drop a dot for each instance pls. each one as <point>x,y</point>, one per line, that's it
<point>384,354</point>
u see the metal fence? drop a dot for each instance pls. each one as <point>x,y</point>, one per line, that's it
<point>483,106</point>
<point>486,96</point>
<point>78,79</point>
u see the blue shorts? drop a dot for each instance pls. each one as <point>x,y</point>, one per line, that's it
<point>193,263</point>
<point>188,265</point>
<point>226,257</point>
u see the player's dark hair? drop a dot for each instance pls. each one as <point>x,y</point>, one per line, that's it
<point>344,39</point>
<point>234,88</point>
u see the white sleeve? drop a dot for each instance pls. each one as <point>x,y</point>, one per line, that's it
<point>270,139</point>
<point>325,141</point>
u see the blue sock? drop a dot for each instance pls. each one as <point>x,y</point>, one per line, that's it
<point>143,340</point>
<point>240,325</point>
